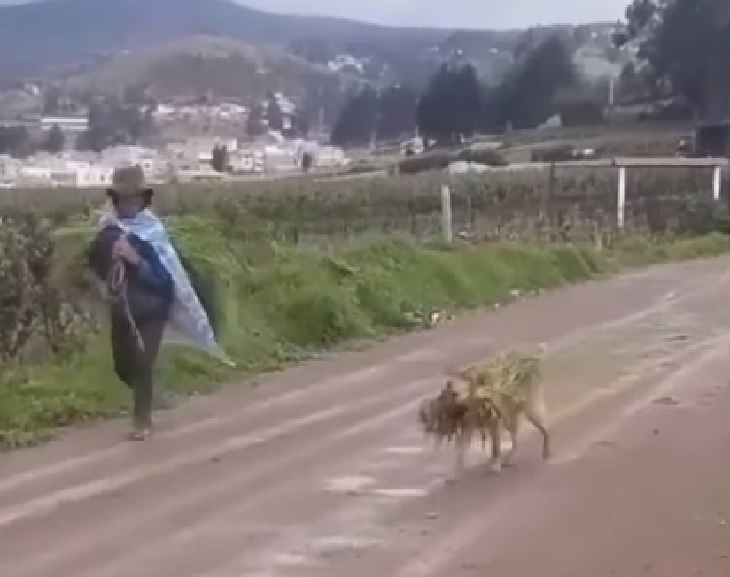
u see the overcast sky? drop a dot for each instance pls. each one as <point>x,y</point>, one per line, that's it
<point>448,13</point>
<point>455,13</point>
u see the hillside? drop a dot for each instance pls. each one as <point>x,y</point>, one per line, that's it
<point>42,35</point>
<point>48,34</point>
<point>196,65</point>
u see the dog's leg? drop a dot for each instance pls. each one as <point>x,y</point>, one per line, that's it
<point>495,463</point>
<point>512,425</point>
<point>536,415</point>
<point>462,442</point>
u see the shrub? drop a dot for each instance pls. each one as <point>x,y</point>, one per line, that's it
<point>581,112</point>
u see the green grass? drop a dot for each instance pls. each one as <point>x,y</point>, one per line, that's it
<point>283,304</point>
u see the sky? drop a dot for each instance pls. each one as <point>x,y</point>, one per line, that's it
<point>455,13</point>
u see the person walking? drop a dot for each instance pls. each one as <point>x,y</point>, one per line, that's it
<point>142,294</point>
<point>156,295</point>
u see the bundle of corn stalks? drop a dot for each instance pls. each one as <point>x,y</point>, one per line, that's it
<point>481,396</point>
<point>510,375</point>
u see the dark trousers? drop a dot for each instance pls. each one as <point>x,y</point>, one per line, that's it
<point>134,367</point>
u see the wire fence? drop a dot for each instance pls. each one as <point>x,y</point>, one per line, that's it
<point>528,202</point>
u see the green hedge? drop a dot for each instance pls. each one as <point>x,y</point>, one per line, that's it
<point>284,303</point>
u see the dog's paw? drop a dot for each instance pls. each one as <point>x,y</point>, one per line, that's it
<point>495,467</point>
<point>451,480</point>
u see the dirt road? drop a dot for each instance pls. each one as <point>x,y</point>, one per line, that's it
<point>321,470</point>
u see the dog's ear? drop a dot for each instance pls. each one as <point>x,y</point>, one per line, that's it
<point>450,390</point>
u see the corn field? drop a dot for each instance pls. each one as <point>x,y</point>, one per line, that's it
<point>542,203</point>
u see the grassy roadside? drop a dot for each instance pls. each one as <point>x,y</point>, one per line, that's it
<point>282,304</point>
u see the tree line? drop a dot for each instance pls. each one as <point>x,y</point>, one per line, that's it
<point>17,141</point>
<point>682,51</point>
<point>455,103</point>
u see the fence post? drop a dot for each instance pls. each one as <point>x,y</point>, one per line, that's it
<point>446,224</point>
<point>716,182</point>
<point>621,201</point>
<point>547,207</point>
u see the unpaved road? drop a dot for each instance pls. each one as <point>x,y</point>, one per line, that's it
<point>321,470</point>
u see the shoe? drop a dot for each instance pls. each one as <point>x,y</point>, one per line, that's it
<point>140,433</point>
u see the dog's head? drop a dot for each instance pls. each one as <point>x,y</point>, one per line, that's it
<point>436,412</point>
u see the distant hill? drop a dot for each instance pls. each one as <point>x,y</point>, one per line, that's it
<point>42,35</point>
<point>191,45</point>
<point>196,65</point>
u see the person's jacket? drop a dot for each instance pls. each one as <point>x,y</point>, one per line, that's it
<point>150,287</point>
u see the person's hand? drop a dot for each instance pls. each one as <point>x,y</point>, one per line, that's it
<point>122,249</point>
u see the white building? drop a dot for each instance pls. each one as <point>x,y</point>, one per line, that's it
<point>9,169</point>
<point>280,159</point>
<point>65,123</point>
<point>87,174</point>
<point>198,150</point>
<point>345,62</point>
<point>247,161</point>
<point>34,176</point>
<point>156,167</point>
<point>413,146</point>
<point>330,157</point>
<point>200,174</point>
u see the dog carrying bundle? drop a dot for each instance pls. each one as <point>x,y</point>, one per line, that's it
<point>479,395</point>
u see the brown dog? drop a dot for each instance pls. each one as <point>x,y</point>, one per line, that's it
<point>476,402</point>
<point>457,418</point>
<point>510,407</point>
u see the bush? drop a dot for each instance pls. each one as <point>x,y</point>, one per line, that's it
<point>581,112</point>
<point>425,162</point>
<point>553,154</point>
<point>37,311</point>
<point>439,160</point>
<point>488,157</point>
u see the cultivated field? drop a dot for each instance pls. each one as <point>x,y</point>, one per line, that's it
<point>529,203</point>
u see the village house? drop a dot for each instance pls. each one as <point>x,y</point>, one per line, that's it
<point>9,170</point>
<point>70,124</point>
<point>247,160</point>
<point>155,166</point>
<point>225,111</point>
<point>56,171</point>
<point>196,152</point>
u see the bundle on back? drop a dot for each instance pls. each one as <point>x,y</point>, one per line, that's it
<point>509,376</point>
<point>482,399</point>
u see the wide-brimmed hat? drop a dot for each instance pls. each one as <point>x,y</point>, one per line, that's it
<point>129,181</point>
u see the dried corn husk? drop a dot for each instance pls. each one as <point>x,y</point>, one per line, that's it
<point>472,410</point>
<point>509,374</point>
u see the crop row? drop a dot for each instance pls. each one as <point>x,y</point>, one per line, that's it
<point>485,204</point>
